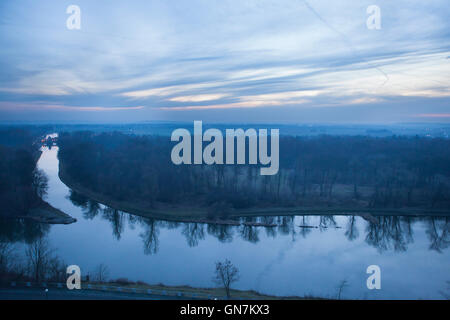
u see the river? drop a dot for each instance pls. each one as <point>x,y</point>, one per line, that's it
<point>412,253</point>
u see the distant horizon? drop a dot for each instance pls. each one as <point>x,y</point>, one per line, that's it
<point>340,124</point>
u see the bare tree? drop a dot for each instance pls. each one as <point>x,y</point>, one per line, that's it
<point>57,269</point>
<point>446,295</point>
<point>11,267</point>
<point>343,284</point>
<point>39,255</point>
<point>225,274</point>
<point>6,257</point>
<point>40,183</point>
<point>352,231</point>
<point>101,273</point>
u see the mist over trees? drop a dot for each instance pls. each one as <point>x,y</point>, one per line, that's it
<point>323,171</point>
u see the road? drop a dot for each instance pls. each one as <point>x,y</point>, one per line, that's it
<point>64,294</point>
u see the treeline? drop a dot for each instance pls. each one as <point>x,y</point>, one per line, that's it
<point>39,263</point>
<point>325,171</point>
<point>21,185</point>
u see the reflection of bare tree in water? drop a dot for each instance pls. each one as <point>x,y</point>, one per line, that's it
<point>407,227</point>
<point>89,207</point>
<point>193,233</point>
<point>133,220</point>
<point>438,232</point>
<point>326,222</point>
<point>116,218</point>
<point>249,233</point>
<point>92,210</point>
<point>171,225</point>
<point>390,231</point>
<point>305,222</point>
<point>150,235</point>
<point>270,231</point>
<point>27,230</point>
<point>223,233</point>
<point>78,199</point>
<point>352,231</point>
<point>286,225</point>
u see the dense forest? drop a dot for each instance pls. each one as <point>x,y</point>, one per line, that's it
<point>22,186</point>
<point>315,172</point>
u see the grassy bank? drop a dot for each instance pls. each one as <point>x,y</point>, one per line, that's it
<point>187,291</point>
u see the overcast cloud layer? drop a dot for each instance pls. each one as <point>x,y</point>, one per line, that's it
<point>234,61</point>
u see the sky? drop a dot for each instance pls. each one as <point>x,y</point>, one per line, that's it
<point>281,61</point>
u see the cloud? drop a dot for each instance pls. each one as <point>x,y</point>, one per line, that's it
<point>198,98</point>
<point>433,115</point>
<point>166,91</point>
<point>14,106</point>
<point>203,56</point>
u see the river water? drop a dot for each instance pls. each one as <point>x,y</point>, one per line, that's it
<point>412,253</point>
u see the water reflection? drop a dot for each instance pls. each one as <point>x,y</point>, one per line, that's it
<point>249,233</point>
<point>438,233</point>
<point>194,232</point>
<point>22,230</point>
<point>384,233</point>
<point>390,232</point>
<point>222,232</point>
<point>352,231</point>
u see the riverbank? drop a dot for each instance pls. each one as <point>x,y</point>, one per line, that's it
<point>112,291</point>
<point>45,213</point>
<point>187,291</point>
<point>200,215</point>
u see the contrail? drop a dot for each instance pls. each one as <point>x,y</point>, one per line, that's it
<point>277,260</point>
<point>346,40</point>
